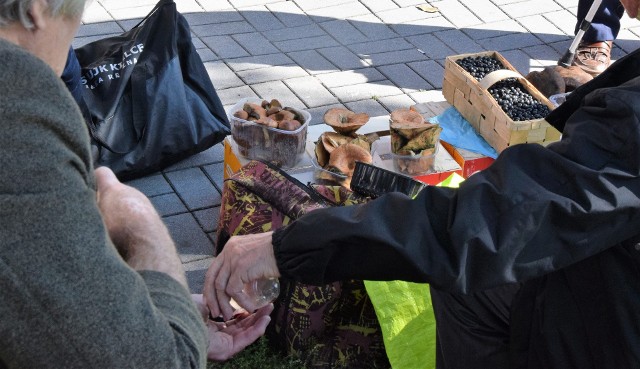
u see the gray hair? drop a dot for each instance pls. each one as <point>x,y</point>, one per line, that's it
<point>18,10</point>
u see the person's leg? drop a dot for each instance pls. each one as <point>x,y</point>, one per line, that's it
<point>472,331</point>
<point>594,52</point>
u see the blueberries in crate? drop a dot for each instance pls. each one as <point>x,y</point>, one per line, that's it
<point>479,66</point>
<point>517,102</point>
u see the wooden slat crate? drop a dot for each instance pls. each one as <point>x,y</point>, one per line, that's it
<point>477,106</point>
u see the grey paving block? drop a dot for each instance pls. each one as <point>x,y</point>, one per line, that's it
<point>380,46</point>
<point>627,41</point>
<point>294,33</point>
<point>225,46</point>
<point>221,29</point>
<point>125,4</point>
<point>259,61</point>
<point>494,29</point>
<point>98,29</point>
<point>308,5</point>
<point>342,57</point>
<point>247,3</point>
<point>365,91</point>
<point>197,43</point>
<point>432,46</point>
<point>563,19</point>
<point>530,7</point>
<point>255,43</point>
<point>542,28</point>
<point>309,43</point>
<point>317,113</point>
<point>426,96</point>
<point>343,31</point>
<point>344,10</point>
<point>289,14</point>
<point>81,41</point>
<point>351,77</point>
<point>370,26</point>
<point>520,60</point>
<point>96,13</point>
<point>457,13</point>
<point>510,42</point>
<point>151,185</point>
<point>194,188</point>
<point>261,18</point>
<point>213,17</point>
<point>396,57</point>
<point>369,106</point>
<point>404,77</point>
<point>221,75</point>
<point>215,5</point>
<point>168,204</point>
<point>132,12</point>
<point>486,10</point>
<point>395,102</point>
<point>188,6</point>
<point>544,54</point>
<point>271,74</point>
<point>212,155</point>
<point>459,42</point>
<point>376,6</point>
<point>195,271</point>
<point>423,26</point>
<point>230,96</point>
<point>312,61</point>
<point>403,15</point>
<point>208,218</point>
<point>431,71</point>
<point>191,241</point>
<point>279,90</point>
<point>406,3</point>
<point>311,91</point>
<point>216,173</point>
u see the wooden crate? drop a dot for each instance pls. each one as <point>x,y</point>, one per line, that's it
<point>471,98</point>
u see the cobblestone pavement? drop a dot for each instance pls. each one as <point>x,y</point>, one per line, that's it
<point>369,55</point>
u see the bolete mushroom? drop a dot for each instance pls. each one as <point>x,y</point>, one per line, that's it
<point>344,121</point>
<point>343,159</point>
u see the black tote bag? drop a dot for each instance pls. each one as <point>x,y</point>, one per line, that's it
<point>148,100</point>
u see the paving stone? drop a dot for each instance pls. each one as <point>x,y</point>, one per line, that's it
<point>627,41</point>
<point>459,42</point>
<point>457,13</point>
<point>422,27</point>
<point>225,46</point>
<point>309,43</point>
<point>312,61</point>
<point>520,60</point>
<point>395,57</point>
<point>342,11</point>
<point>431,71</point>
<point>510,42</point>
<point>289,14</point>
<point>222,29</point>
<point>308,5</point>
<point>215,5</point>
<point>432,46</point>
<point>530,7</point>
<point>563,19</point>
<point>426,96</point>
<point>311,91</point>
<point>209,156</point>
<point>542,28</point>
<point>377,6</point>
<point>342,57</point>
<point>392,103</point>
<point>370,26</point>
<point>222,76</point>
<point>404,77</point>
<point>369,106</point>
<point>151,185</point>
<point>259,61</point>
<point>216,174</point>
<point>544,54</point>
<point>231,96</point>
<point>169,204</point>
<point>365,91</point>
<point>125,4</point>
<point>317,113</point>
<point>132,12</point>
<point>294,33</point>
<point>343,31</point>
<point>195,272</point>
<point>95,13</point>
<point>485,10</point>
<point>81,41</point>
<point>279,90</point>
<point>197,42</point>
<point>405,3</point>
<point>213,17</point>
<point>351,77</point>
<point>494,29</point>
<point>380,46</point>
<point>99,29</point>
<point>247,3</point>
<point>194,188</point>
<point>208,218</point>
<point>271,74</point>
<point>255,43</point>
<point>261,18</point>
<point>403,15</point>
<point>188,6</point>
<point>191,241</point>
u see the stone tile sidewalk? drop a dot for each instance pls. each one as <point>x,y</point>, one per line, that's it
<point>367,55</point>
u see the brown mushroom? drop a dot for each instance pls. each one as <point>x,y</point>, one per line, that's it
<point>343,159</point>
<point>407,116</point>
<point>255,111</point>
<point>289,125</point>
<point>241,114</point>
<point>344,121</point>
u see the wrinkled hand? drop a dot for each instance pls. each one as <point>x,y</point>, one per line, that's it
<point>243,259</point>
<point>631,6</point>
<point>228,338</point>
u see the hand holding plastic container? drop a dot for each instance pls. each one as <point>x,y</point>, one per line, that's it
<point>261,292</point>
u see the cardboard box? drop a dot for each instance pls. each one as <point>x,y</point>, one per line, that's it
<point>471,98</point>
<point>469,161</point>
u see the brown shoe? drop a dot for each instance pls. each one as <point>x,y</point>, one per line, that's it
<point>593,58</point>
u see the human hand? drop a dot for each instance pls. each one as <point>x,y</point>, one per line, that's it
<point>228,338</point>
<point>631,6</point>
<point>243,259</point>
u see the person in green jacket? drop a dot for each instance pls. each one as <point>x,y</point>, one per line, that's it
<point>89,275</point>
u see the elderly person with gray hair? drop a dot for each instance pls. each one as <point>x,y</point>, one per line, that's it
<point>90,277</point>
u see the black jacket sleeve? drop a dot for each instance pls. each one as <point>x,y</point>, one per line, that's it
<point>535,210</point>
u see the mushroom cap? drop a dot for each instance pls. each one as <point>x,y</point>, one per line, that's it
<point>344,121</point>
<point>343,159</point>
<point>408,118</point>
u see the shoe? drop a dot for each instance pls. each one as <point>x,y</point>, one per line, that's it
<point>593,58</point>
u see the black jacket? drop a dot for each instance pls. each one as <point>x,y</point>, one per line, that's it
<point>564,220</point>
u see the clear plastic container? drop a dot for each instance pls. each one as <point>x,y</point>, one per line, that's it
<point>413,165</point>
<point>261,292</point>
<point>256,141</point>
<point>320,174</point>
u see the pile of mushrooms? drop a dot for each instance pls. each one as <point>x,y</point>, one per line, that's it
<point>271,114</point>
<point>415,138</point>
<point>337,152</point>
